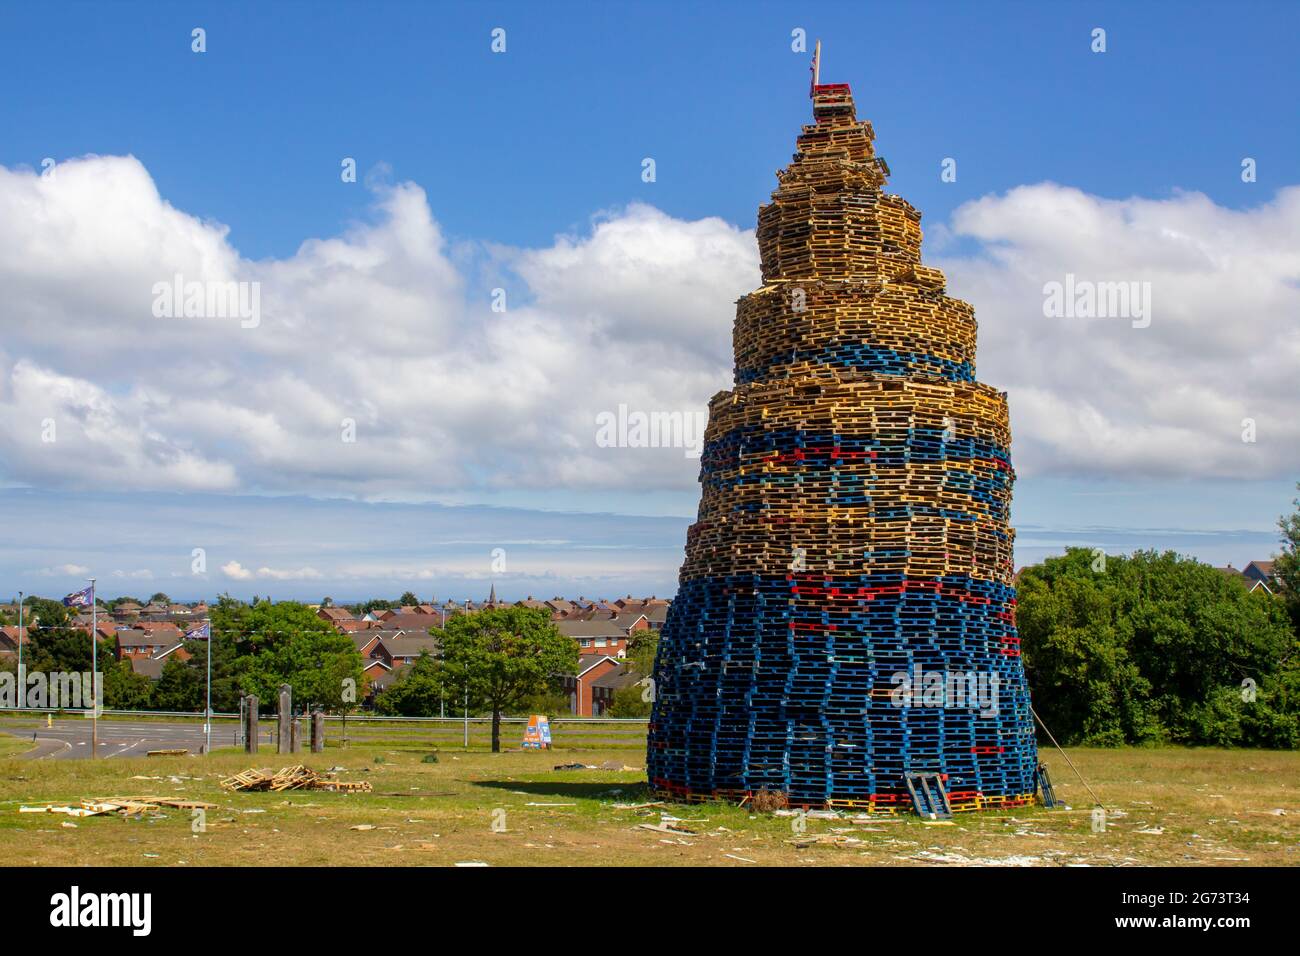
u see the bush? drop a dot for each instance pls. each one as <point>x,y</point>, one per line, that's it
<point>1155,648</point>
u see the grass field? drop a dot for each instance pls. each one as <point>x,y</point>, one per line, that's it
<point>1170,806</point>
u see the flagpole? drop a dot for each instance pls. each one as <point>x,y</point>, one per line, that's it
<point>94,674</point>
<point>22,631</point>
<point>207,721</point>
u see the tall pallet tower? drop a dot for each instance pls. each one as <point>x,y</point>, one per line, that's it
<point>846,617</point>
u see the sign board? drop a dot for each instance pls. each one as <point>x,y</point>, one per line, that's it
<point>538,734</point>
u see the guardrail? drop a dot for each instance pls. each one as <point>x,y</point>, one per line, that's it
<point>350,718</point>
<point>376,730</point>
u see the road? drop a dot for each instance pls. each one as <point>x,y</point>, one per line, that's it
<point>69,737</point>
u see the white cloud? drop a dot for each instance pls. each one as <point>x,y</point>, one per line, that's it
<point>377,326</point>
<point>1101,397</point>
<point>289,574</point>
<point>383,326</point>
<point>64,571</point>
<point>233,569</point>
<point>237,572</point>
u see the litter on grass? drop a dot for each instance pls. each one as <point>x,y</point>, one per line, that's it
<point>294,778</point>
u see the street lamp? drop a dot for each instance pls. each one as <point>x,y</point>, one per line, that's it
<point>94,674</point>
<point>22,684</point>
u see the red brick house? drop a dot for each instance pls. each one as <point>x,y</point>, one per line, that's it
<point>578,686</point>
<point>607,684</point>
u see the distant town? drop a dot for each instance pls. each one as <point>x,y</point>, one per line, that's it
<point>390,636</point>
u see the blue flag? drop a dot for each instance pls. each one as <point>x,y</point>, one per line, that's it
<point>199,632</point>
<point>83,598</point>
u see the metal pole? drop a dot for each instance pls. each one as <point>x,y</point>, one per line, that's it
<point>207,718</point>
<point>22,684</point>
<point>467,715</point>
<point>94,674</point>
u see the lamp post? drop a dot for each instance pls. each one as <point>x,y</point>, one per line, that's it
<point>22,684</point>
<point>207,717</point>
<point>94,675</point>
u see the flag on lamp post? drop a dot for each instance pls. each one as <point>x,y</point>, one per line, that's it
<point>199,632</point>
<point>83,598</point>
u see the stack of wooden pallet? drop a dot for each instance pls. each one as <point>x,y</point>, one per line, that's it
<point>853,523</point>
<point>293,778</point>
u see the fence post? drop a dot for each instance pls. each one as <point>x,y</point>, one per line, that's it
<point>284,732</point>
<point>317,732</point>
<point>251,732</point>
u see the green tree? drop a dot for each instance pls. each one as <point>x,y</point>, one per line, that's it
<point>181,687</point>
<point>1154,648</point>
<point>408,599</point>
<point>160,598</point>
<point>630,702</point>
<point>503,657</point>
<point>418,692</point>
<point>641,650</point>
<point>124,689</point>
<point>286,643</point>
<point>47,612</point>
<point>1286,566</point>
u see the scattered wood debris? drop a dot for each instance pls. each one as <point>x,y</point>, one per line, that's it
<point>124,806</point>
<point>823,839</point>
<point>667,826</point>
<point>173,752</point>
<point>294,778</point>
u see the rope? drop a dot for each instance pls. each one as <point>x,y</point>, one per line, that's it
<point>1096,799</point>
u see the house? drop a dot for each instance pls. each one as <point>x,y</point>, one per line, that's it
<point>603,636</point>
<point>1257,575</point>
<point>150,667</point>
<point>381,677</point>
<point>559,605</point>
<point>405,648</point>
<point>368,640</point>
<point>374,670</point>
<point>354,625</point>
<point>134,643</point>
<point>655,609</point>
<point>578,686</point>
<point>161,628</point>
<point>412,622</point>
<point>604,687</point>
<point>1261,574</point>
<point>335,615</point>
<point>177,651</point>
<point>10,636</point>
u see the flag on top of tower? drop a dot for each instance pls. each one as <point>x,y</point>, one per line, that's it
<point>83,598</point>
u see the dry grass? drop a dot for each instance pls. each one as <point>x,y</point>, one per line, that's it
<point>1209,807</point>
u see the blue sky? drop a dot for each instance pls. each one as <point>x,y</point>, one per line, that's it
<point>507,152</point>
<point>537,139</point>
